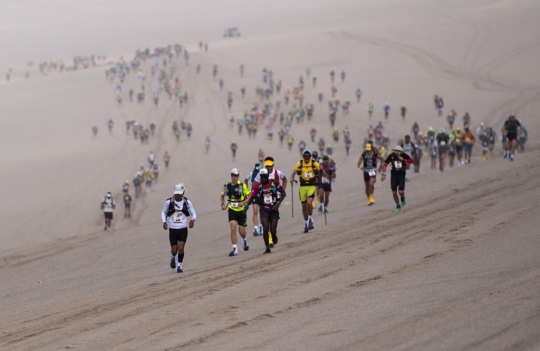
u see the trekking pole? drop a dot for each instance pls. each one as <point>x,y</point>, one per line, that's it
<point>292,198</point>
<point>325,223</point>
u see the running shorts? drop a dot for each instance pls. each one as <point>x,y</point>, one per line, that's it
<point>467,147</point>
<point>108,215</point>
<point>443,151</point>
<point>367,177</point>
<point>397,180</point>
<point>271,214</point>
<point>327,187</point>
<point>511,136</point>
<point>238,216</point>
<point>176,235</point>
<point>307,191</point>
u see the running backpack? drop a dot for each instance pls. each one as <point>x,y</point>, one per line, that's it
<point>172,208</point>
<point>255,172</point>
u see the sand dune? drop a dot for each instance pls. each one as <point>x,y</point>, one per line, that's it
<point>457,269</point>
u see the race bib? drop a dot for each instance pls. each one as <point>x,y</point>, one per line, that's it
<point>458,141</point>
<point>325,180</point>
<point>268,200</point>
<point>442,143</point>
<point>397,164</point>
<point>234,204</point>
<point>372,173</point>
<point>177,218</point>
<point>308,174</point>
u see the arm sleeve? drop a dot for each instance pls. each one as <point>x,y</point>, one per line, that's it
<point>223,190</point>
<point>192,210</point>
<point>408,158</point>
<point>164,211</point>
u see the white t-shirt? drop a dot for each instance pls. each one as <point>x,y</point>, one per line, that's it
<point>271,176</point>
<point>178,220</point>
<point>108,204</point>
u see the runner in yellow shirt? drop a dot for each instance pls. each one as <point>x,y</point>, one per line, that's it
<point>307,170</point>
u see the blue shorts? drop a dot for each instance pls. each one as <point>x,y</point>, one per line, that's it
<point>467,147</point>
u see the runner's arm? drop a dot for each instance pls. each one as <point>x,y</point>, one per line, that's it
<point>192,211</point>
<point>164,212</point>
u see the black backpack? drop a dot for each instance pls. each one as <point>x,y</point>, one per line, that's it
<point>172,209</point>
<point>255,172</point>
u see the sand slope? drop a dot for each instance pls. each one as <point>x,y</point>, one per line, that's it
<point>457,269</point>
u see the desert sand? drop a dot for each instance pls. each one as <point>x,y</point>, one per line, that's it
<point>457,269</point>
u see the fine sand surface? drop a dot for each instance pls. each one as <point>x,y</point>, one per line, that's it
<point>457,269</point>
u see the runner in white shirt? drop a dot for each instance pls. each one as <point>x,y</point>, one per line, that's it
<point>251,178</point>
<point>176,215</point>
<point>108,205</point>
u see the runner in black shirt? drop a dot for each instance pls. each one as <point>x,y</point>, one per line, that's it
<point>398,159</point>
<point>511,129</point>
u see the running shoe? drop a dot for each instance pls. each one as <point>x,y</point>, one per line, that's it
<point>255,232</point>
<point>306,229</point>
<point>320,208</point>
<point>234,252</point>
<point>398,208</point>
<point>311,224</point>
<point>325,210</point>
<point>403,203</point>
<point>267,251</point>
<point>511,157</point>
<point>246,245</point>
<point>173,262</point>
<point>275,239</point>
<point>179,269</point>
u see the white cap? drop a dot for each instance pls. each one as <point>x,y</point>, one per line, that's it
<point>179,189</point>
<point>235,171</point>
<point>263,171</point>
<point>442,130</point>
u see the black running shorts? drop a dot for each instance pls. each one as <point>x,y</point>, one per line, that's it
<point>108,215</point>
<point>238,216</point>
<point>511,136</point>
<point>327,187</point>
<point>397,180</point>
<point>367,177</point>
<point>271,214</point>
<point>176,235</point>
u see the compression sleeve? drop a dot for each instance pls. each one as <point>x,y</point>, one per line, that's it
<point>164,212</point>
<point>192,210</point>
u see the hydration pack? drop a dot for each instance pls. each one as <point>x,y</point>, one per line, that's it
<point>172,208</point>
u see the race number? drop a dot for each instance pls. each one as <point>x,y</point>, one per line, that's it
<point>177,218</point>
<point>372,173</point>
<point>397,164</point>
<point>268,200</point>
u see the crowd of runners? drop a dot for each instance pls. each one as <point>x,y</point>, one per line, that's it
<point>284,111</point>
